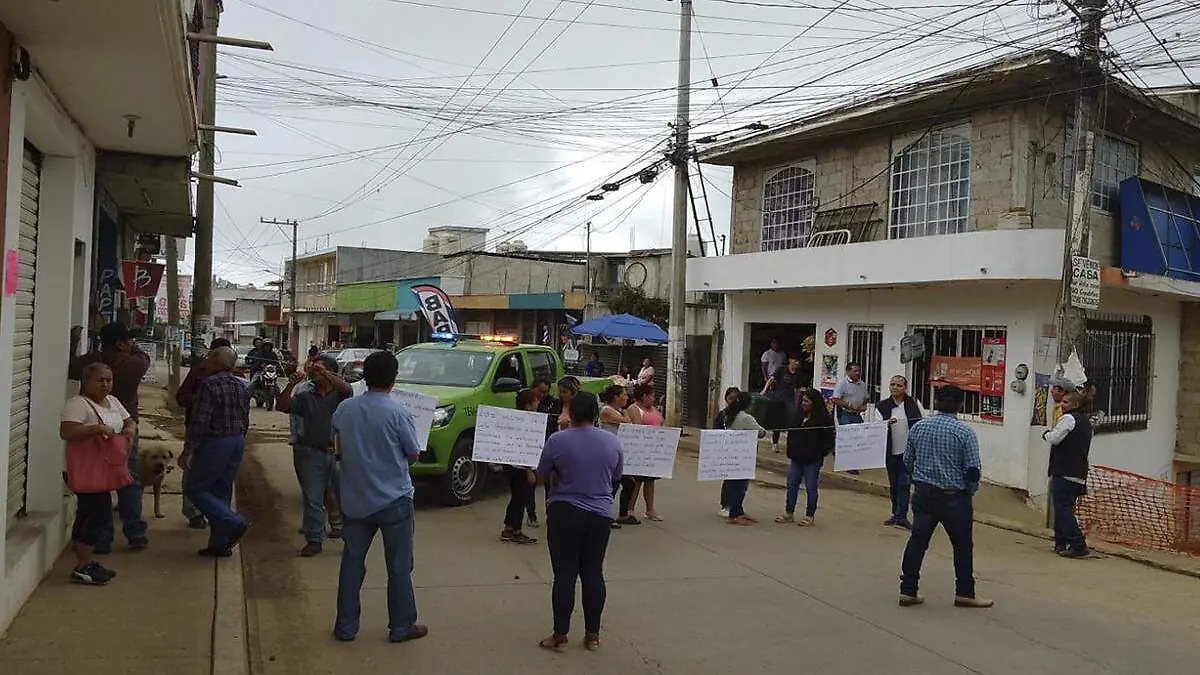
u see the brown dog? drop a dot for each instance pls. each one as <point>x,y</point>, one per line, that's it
<point>154,462</point>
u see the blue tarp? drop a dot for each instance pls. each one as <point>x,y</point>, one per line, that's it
<point>622,327</point>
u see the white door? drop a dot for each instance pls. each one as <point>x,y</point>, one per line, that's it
<point>22,348</point>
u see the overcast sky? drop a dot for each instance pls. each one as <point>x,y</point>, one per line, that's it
<point>386,117</point>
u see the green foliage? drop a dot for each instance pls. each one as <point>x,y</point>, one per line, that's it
<point>626,299</point>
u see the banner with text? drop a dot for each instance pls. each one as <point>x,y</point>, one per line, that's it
<point>436,308</point>
<point>728,454</point>
<point>507,436</point>
<point>861,446</point>
<point>649,451</point>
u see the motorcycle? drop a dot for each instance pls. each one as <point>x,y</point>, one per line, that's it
<point>265,388</point>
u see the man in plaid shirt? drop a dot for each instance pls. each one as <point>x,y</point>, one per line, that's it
<point>942,457</point>
<point>217,436</point>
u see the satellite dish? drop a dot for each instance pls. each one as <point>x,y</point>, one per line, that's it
<point>635,275</point>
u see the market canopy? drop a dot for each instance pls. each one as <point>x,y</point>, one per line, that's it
<point>622,327</point>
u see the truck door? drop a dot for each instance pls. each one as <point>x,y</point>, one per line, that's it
<point>511,364</point>
<point>543,363</point>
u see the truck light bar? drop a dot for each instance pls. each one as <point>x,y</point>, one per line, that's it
<point>455,337</point>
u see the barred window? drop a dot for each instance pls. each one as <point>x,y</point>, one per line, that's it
<point>789,203</point>
<point>931,181</point>
<point>1118,358</point>
<point>1116,159</point>
<point>959,342</point>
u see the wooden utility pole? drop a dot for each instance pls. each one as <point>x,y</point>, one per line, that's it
<point>1072,316</point>
<point>293,336</point>
<point>676,329</point>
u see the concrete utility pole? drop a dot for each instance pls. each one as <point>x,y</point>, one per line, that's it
<point>1072,320</point>
<point>173,354</point>
<point>207,93</point>
<point>676,343</point>
<point>292,334</point>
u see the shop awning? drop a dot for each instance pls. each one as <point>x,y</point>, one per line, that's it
<point>152,191</point>
<point>396,315</point>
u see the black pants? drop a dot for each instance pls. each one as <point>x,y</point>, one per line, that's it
<point>952,509</point>
<point>724,494</point>
<point>578,540</point>
<point>93,514</point>
<point>520,497</point>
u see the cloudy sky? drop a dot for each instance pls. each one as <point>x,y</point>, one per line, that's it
<point>383,118</point>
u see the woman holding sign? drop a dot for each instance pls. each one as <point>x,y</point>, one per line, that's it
<point>642,411</point>
<point>521,482</point>
<point>586,464</point>
<point>807,448</point>
<point>736,417</point>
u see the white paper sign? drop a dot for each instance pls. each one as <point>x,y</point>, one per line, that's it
<point>507,436</point>
<point>649,451</point>
<point>1085,283</point>
<point>861,446</point>
<point>421,406</point>
<point>728,454</point>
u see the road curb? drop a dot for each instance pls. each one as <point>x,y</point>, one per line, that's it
<point>230,647</point>
<point>854,483</point>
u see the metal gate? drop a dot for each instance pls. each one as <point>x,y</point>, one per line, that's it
<point>22,347</point>
<point>866,349</point>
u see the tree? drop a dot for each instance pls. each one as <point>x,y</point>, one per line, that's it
<point>626,299</point>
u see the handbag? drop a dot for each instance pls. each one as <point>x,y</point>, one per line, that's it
<point>98,464</point>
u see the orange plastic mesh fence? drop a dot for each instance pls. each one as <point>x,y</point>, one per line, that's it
<point>1126,508</point>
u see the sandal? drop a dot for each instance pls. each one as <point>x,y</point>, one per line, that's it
<point>741,520</point>
<point>653,517</point>
<point>591,641</point>
<point>785,519</point>
<point>629,520</point>
<point>554,643</point>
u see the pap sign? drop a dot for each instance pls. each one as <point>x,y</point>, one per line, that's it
<point>1085,283</point>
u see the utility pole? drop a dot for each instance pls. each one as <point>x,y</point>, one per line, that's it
<point>207,93</point>
<point>293,335</point>
<point>173,326</point>
<point>587,283</point>
<point>679,157</point>
<point>1072,320</point>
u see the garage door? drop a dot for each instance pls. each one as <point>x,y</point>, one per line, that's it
<point>22,348</point>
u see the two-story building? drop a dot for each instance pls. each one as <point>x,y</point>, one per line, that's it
<point>97,126</point>
<point>940,211</point>
<point>241,314</point>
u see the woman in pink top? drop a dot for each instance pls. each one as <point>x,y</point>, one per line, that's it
<point>646,374</point>
<point>643,411</point>
<point>567,388</point>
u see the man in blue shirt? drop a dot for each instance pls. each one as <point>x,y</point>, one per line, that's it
<point>942,457</point>
<point>376,440</point>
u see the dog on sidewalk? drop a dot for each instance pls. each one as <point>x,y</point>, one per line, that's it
<point>154,462</point>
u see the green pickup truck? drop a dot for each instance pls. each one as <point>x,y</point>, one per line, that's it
<point>463,374</point>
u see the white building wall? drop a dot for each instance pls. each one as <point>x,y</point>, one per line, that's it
<point>30,549</point>
<point>1013,453</point>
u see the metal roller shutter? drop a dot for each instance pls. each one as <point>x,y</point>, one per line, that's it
<point>22,347</point>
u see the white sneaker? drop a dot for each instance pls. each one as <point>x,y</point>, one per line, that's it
<point>724,513</point>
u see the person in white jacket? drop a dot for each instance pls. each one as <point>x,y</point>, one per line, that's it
<point>736,417</point>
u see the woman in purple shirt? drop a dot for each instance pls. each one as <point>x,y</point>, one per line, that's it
<point>583,465</point>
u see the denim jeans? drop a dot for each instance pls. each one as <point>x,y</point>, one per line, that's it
<point>129,508</point>
<point>578,541</point>
<point>333,501</point>
<point>737,497</point>
<point>211,473</point>
<point>900,485</point>
<point>953,510</point>
<point>810,475</point>
<point>396,522</point>
<point>1063,495</point>
<point>318,475</point>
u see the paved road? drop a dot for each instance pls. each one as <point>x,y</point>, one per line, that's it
<point>692,596</point>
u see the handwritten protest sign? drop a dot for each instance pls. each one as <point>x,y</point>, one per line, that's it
<point>727,454</point>
<point>861,446</point>
<point>649,451</point>
<point>506,436</point>
<point>421,406</point>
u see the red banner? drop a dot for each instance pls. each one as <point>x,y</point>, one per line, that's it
<point>964,372</point>
<point>140,279</point>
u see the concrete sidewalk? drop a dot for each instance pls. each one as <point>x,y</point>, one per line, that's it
<point>996,506</point>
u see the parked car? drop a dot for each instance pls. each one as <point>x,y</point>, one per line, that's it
<point>350,363</point>
<point>464,374</point>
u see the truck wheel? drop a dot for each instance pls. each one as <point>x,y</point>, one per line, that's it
<point>464,478</point>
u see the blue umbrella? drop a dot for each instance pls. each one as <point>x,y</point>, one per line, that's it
<point>622,327</point>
